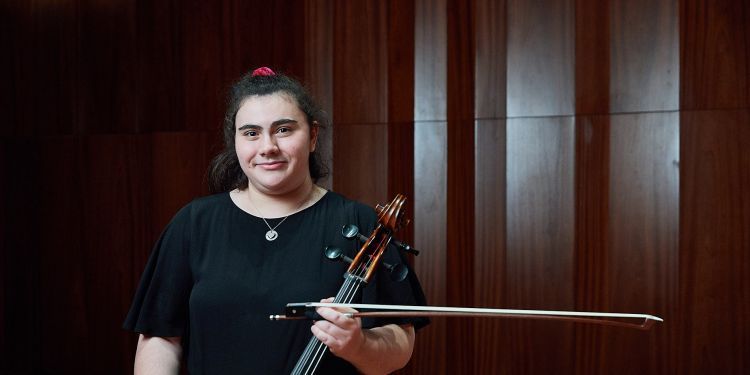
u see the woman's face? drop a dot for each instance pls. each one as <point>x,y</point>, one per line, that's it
<point>273,142</point>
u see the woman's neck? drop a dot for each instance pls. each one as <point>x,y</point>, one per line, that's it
<point>277,205</point>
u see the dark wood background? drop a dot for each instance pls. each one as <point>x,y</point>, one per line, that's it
<point>577,155</point>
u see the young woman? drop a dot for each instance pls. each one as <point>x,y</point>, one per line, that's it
<point>227,261</point>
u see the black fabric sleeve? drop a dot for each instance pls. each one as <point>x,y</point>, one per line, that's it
<point>160,305</point>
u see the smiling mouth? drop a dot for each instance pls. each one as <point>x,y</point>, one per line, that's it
<point>270,164</point>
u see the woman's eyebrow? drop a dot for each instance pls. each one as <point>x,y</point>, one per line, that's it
<point>283,121</point>
<point>275,123</point>
<point>249,126</point>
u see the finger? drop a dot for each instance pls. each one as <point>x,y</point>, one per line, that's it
<point>326,338</point>
<point>331,329</point>
<point>338,318</point>
<point>343,309</point>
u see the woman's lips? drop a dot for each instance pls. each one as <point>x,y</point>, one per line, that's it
<point>271,165</point>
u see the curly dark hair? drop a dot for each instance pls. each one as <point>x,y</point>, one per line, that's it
<point>224,171</point>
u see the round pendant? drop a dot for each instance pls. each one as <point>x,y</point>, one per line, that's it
<point>272,235</point>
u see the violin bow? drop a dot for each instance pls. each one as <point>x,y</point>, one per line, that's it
<point>306,310</point>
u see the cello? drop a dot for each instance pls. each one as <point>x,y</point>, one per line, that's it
<point>362,267</point>
<point>361,270</point>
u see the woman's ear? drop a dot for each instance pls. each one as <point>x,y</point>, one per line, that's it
<point>314,130</point>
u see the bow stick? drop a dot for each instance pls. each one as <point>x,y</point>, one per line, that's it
<point>307,311</point>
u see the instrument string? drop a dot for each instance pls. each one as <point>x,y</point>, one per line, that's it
<point>315,349</point>
<point>362,269</point>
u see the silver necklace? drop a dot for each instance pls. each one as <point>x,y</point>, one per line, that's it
<point>272,234</point>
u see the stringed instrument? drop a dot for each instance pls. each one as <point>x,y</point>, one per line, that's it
<point>361,270</point>
<point>390,219</point>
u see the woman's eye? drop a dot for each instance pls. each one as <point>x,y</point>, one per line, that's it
<point>251,133</point>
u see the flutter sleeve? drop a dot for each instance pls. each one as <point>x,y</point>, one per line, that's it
<point>160,305</point>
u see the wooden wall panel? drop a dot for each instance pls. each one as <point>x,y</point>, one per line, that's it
<point>540,58</point>
<point>714,240</point>
<point>319,70</point>
<point>361,162</point>
<point>160,34</point>
<point>540,256</point>
<point>114,185</point>
<point>430,182</point>
<point>430,189</point>
<point>360,105</point>
<point>644,56</point>
<point>401,106</point>
<point>430,74</point>
<point>468,104</point>
<point>490,59</point>
<point>19,242</point>
<point>489,284</point>
<point>490,281</point>
<point>4,243</point>
<point>714,54</point>
<point>460,197</point>
<point>360,62</point>
<point>643,225</point>
<point>223,40</point>
<point>103,54</point>
<point>80,270</point>
<point>714,266</point>
<point>592,56</point>
<point>179,172</point>
<point>591,232</point>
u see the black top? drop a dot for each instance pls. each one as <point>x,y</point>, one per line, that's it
<point>214,279</point>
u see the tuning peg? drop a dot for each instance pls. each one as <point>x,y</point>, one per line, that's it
<point>404,247</point>
<point>334,253</point>
<point>350,231</point>
<point>398,271</point>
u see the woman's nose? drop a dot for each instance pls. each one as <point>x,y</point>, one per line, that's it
<point>269,146</point>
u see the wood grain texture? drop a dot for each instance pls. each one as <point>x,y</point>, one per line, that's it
<point>460,198</point>
<point>540,261</point>
<point>644,56</point>
<point>20,255</point>
<point>430,73</point>
<point>714,266</point>
<point>490,59</point>
<point>540,58</point>
<point>111,113</point>
<point>592,56</point>
<point>360,162</point>
<point>430,190</point>
<point>223,40</point>
<point>643,226</point>
<point>430,182</point>
<point>319,70</point>
<point>714,54</point>
<point>360,55</point>
<point>401,106</point>
<point>592,184</point>
<point>490,280</point>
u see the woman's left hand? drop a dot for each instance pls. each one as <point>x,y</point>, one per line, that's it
<point>341,334</point>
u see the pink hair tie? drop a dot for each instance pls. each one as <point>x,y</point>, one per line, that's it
<point>263,71</point>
